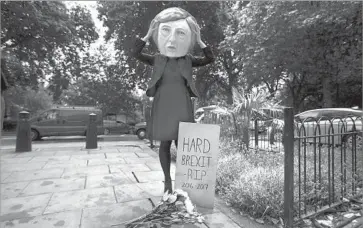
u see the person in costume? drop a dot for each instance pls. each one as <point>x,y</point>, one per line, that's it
<point>175,32</point>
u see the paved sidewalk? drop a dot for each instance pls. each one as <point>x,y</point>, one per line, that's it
<point>68,186</point>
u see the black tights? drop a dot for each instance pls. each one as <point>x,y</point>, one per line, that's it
<point>165,161</point>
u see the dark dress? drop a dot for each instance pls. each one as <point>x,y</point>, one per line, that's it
<point>172,104</point>
<point>172,100</point>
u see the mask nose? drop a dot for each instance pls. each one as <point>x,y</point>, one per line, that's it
<point>172,38</point>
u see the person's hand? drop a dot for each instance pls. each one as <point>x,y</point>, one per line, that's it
<point>198,36</point>
<point>151,30</point>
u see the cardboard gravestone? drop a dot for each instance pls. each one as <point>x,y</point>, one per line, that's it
<point>196,164</point>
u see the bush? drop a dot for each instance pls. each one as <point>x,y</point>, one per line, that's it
<point>24,98</point>
<point>253,181</point>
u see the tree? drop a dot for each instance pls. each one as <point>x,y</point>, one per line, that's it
<point>282,43</point>
<point>26,98</point>
<point>257,103</point>
<point>34,35</point>
<point>102,83</point>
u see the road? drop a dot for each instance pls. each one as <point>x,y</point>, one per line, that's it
<point>9,140</point>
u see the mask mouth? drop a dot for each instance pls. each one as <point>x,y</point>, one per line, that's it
<point>171,48</point>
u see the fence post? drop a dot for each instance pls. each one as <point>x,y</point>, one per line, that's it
<point>23,133</point>
<point>207,119</point>
<point>256,133</point>
<point>91,138</point>
<point>288,143</point>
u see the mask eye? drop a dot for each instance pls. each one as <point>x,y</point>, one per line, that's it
<point>165,30</point>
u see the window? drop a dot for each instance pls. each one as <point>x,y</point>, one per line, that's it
<point>312,115</point>
<point>49,115</point>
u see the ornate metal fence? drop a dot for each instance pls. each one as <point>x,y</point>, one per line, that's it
<point>323,164</point>
<point>323,158</point>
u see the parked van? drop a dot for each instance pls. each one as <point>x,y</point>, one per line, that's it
<point>64,121</point>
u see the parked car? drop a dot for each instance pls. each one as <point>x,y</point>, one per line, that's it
<point>200,112</point>
<point>117,126</point>
<point>332,121</point>
<point>140,130</point>
<point>64,121</point>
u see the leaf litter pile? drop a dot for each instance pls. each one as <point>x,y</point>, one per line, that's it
<point>175,208</point>
<point>349,214</point>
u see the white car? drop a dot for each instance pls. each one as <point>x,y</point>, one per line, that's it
<point>343,123</point>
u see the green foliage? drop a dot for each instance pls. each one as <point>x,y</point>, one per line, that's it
<point>25,98</point>
<point>297,45</point>
<point>104,84</point>
<point>43,38</point>
<point>255,104</point>
<point>263,196</point>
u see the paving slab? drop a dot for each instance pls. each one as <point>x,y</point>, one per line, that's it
<point>50,158</point>
<point>85,171</point>
<point>130,192</point>
<point>62,201</point>
<point>219,220</point>
<point>108,151</point>
<point>59,147</point>
<point>122,155</point>
<point>143,155</point>
<point>12,190</point>
<point>129,168</point>
<point>34,153</point>
<point>22,167</point>
<point>67,219</point>
<point>88,156</point>
<point>8,155</point>
<point>155,189</point>
<point>150,176</point>
<point>70,152</point>
<point>23,207</point>
<point>139,160</point>
<point>98,181</point>
<point>105,217</point>
<point>129,149</point>
<point>105,161</point>
<point>15,160</point>
<point>53,185</point>
<point>4,175</point>
<point>154,166</point>
<point>66,164</point>
<point>34,175</point>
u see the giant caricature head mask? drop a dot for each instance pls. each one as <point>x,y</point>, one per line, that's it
<point>174,33</point>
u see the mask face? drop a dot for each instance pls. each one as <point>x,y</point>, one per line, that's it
<point>174,38</point>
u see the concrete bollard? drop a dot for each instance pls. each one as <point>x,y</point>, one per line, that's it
<point>23,133</point>
<point>91,138</point>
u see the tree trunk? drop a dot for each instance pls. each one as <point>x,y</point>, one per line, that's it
<point>246,133</point>
<point>229,95</point>
<point>327,97</point>
<point>2,111</point>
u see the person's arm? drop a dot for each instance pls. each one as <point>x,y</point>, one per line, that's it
<point>137,52</point>
<point>140,44</point>
<point>208,54</point>
<point>206,59</point>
